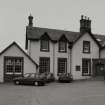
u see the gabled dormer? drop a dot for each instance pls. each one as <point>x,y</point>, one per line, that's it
<point>44,43</point>
<point>62,44</point>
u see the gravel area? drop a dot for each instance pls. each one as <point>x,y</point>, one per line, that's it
<point>76,93</point>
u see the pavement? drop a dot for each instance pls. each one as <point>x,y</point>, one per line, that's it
<point>75,93</point>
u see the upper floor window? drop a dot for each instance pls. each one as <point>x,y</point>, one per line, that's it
<point>44,45</point>
<point>62,46</point>
<point>86,47</point>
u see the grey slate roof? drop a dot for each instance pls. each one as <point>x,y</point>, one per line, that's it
<point>54,34</point>
<point>34,33</point>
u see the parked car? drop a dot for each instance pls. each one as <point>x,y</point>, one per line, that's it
<point>50,77</point>
<point>30,79</point>
<point>65,77</point>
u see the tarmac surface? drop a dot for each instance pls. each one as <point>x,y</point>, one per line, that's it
<point>76,93</point>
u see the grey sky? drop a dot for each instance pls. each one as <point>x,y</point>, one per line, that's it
<point>59,14</point>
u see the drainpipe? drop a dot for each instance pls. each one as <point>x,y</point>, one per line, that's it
<point>54,59</point>
<point>99,52</point>
<point>70,47</point>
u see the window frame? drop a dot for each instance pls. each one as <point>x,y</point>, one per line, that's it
<point>40,68</point>
<point>41,44</point>
<point>11,68</point>
<point>60,44</point>
<point>65,62</point>
<point>88,67</point>
<point>85,44</point>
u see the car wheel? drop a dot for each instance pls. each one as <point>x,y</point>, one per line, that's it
<point>36,83</point>
<point>17,82</point>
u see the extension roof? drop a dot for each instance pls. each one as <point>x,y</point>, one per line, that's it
<point>14,43</point>
<point>35,33</point>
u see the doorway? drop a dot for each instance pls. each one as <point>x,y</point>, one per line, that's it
<point>100,69</point>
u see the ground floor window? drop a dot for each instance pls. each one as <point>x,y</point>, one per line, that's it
<point>62,65</point>
<point>13,64</point>
<point>86,67</point>
<point>13,67</point>
<point>44,64</point>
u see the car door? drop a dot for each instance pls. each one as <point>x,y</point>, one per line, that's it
<point>30,79</point>
<point>26,78</point>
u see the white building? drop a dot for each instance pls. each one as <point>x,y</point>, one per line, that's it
<point>15,62</point>
<point>60,51</point>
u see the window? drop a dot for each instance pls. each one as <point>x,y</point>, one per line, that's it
<point>44,65</point>
<point>77,68</point>
<point>86,47</point>
<point>86,67</point>
<point>9,65</point>
<point>62,46</point>
<point>44,45</point>
<point>13,64</point>
<point>62,65</point>
<point>18,65</point>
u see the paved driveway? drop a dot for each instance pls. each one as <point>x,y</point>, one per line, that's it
<point>76,93</point>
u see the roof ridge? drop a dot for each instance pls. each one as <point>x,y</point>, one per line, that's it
<point>54,29</point>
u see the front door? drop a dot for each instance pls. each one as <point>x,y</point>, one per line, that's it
<point>100,69</point>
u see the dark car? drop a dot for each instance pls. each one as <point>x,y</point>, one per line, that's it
<point>30,79</point>
<point>50,77</point>
<point>65,77</point>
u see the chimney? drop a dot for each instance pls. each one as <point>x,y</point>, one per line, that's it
<point>85,24</point>
<point>30,18</point>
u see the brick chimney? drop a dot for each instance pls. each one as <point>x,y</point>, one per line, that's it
<point>85,24</point>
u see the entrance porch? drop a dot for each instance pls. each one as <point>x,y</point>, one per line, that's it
<point>98,67</point>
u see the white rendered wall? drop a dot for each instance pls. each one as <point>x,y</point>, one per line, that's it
<point>102,53</point>
<point>61,55</point>
<point>35,53</point>
<point>53,53</point>
<point>77,55</point>
<point>29,67</point>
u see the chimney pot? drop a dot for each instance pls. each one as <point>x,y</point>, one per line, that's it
<point>85,17</point>
<point>85,24</point>
<point>30,20</point>
<point>81,16</point>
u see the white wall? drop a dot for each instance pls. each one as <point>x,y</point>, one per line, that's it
<point>61,55</point>
<point>77,55</point>
<point>35,53</point>
<point>29,67</point>
<point>102,53</point>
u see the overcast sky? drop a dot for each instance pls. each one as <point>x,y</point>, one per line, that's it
<point>57,14</point>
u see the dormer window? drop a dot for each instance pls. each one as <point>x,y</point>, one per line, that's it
<point>62,46</point>
<point>44,42</point>
<point>86,46</point>
<point>44,45</point>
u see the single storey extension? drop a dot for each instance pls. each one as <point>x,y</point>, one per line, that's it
<point>14,61</point>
